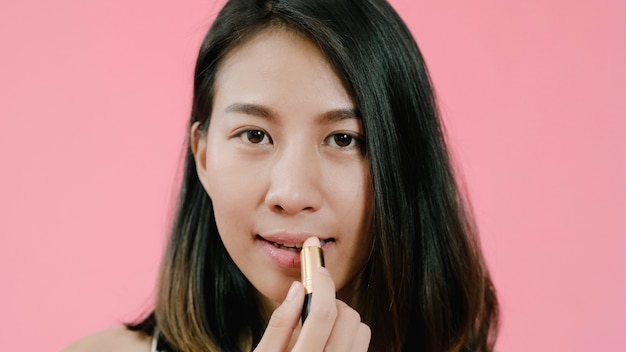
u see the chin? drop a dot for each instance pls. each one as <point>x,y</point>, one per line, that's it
<point>269,301</point>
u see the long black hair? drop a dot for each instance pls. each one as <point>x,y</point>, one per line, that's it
<point>426,286</point>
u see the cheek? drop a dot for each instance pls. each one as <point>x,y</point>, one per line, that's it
<point>232,188</point>
<point>223,174</point>
<point>356,195</point>
<point>365,216</point>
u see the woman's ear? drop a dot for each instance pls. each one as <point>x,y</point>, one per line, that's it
<point>197,140</point>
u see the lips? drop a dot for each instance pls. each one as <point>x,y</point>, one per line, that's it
<point>285,249</point>
<point>294,247</point>
<point>291,244</point>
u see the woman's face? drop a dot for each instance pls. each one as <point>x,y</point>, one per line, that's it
<point>282,160</point>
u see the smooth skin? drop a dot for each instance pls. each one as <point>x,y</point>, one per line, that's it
<point>303,174</point>
<point>302,170</point>
<point>331,325</point>
<point>283,157</point>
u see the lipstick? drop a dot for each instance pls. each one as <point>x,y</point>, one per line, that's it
<point>311,258</point>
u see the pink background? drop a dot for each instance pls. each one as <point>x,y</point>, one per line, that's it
<point>94,96</point>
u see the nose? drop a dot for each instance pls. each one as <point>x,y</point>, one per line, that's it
<point>294,185</point>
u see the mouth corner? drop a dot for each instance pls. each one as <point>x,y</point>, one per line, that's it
<point>328,240</point>
<point>289,244</point>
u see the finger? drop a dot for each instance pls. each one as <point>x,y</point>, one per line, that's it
<point>319,324</point>
<point>345,334</point>
<point>363,337</point>
<point>283,321</point>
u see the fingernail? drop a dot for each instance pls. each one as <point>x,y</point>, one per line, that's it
<point>293,291</point>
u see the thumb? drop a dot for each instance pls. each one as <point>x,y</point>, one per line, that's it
<point>283,321</point>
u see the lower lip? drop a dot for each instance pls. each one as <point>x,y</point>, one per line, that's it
<point>284,257</point>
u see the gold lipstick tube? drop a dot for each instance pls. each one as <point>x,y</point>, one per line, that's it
<point>311,258</point>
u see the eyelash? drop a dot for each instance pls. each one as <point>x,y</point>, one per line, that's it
<point>355,141</point>
<point>248,134</point>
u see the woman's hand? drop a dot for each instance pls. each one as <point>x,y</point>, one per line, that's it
<point>331,325</point>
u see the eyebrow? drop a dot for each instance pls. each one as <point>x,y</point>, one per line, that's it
<point>266,113</point>
<point>250,109</point>
<point>340,114</point>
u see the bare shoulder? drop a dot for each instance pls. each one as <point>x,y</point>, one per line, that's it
<point>116,339</point>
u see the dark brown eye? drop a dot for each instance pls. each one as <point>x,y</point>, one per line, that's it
<point>343,140</point>
<point>255,136</point>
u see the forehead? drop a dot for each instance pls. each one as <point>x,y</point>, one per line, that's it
<point>272,45</point>
<point>279,63</point>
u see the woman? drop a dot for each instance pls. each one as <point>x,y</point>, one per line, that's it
<point>316,118</point>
